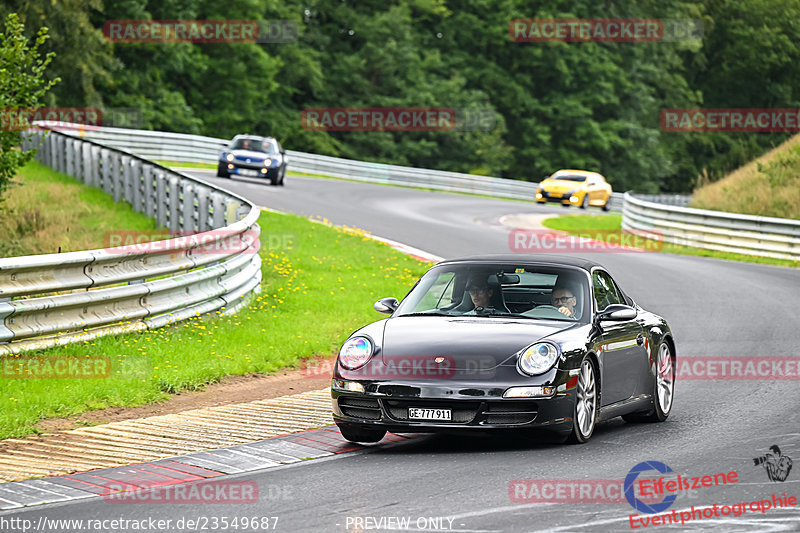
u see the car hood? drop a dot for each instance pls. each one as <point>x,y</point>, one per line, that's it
<point>561,185</point>
<point>466,340</point>
<point>251,154</point>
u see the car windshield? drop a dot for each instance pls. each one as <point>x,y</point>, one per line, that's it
<point>500,290</point>
<point>254,145</point>
<point>570,177</point>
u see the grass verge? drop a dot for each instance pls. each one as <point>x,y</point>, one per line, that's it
<point>48,212</point>
<point>319,284</point>
<point>767,186</point>
<point>184,164</point>
<point>594,226</point>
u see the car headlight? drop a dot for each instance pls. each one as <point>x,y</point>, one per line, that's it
<point>538,358</point>
<point>355,352</point>
<point>267,162</point>
<point>229,157</point>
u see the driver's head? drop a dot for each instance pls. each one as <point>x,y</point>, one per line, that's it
<point>479,291</point>
<point>246,145</point>
<point>564,296</point>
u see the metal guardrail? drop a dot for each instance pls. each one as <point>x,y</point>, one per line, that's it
<point>200,149</point>
<point>213,264</point>
<point>714,230</point>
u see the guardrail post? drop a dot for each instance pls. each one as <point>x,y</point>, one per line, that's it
<point>203,218</point>
<point>105,171</point>
<point>160,199</point>
<point>188,199</point>
<point>232,211</point>
<point>218,208</point>
<point>174,202</point>
<point>127,178</point>
<point>88,167</point>
<point>94,165</point>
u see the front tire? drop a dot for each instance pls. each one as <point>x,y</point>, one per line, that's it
<point>584,414</point>
<point>362,434</point>
<point>585,201</point>
<point>222,172</point>
<point>663,389</point>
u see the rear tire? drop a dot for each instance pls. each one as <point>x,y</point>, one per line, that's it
<point>607,207</point>
<point>663,389</point>
<point>584,414</point>
<point>361,434</point>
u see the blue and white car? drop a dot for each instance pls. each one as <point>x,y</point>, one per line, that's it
<point>253,156</point>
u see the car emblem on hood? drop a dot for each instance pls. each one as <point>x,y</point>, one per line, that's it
<point>439,359</point>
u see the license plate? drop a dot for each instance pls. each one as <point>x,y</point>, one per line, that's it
<point>247,172</point>
<point>555,195</point>
<point>429,414</point>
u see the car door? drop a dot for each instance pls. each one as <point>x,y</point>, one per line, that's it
<point>593,189</point>
<point>619,344</point>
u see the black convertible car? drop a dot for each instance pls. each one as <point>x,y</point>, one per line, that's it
<point>542,342</point>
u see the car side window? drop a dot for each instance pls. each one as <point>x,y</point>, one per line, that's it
<point>605,291</point>
<point>439,295</point>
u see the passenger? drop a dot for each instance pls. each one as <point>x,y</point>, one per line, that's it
<point>563,297</point>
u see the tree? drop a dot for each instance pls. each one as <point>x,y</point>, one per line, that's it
<point>22,85</point>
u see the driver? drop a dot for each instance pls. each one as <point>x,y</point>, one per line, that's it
<point>480,292</point>
<point>563,298</point>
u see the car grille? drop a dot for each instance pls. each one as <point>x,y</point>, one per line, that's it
<point>461,412</point>
<point>510,412</point>
<point>366,408</point>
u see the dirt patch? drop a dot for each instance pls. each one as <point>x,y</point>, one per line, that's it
<point>232,389</point>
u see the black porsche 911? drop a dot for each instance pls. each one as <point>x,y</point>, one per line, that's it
<point>250,155</point>
<point>540,342</point>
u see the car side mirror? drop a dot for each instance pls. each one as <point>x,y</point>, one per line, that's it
<point>616,313</point>
<point>387,306</point>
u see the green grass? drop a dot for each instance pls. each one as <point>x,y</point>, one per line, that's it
<point>315,292</point>
<point>184,164</point>
<point>595,226</point>
<point>767,186</point>
<point>47,212</point>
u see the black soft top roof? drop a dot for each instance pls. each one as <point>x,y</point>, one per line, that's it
<point>524,259</point>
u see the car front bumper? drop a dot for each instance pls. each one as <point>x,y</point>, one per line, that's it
<point>564,199</point>
<point>385,405</point>
<point>254,170</point>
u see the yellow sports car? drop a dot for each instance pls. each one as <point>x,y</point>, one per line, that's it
<point>575,187</point>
